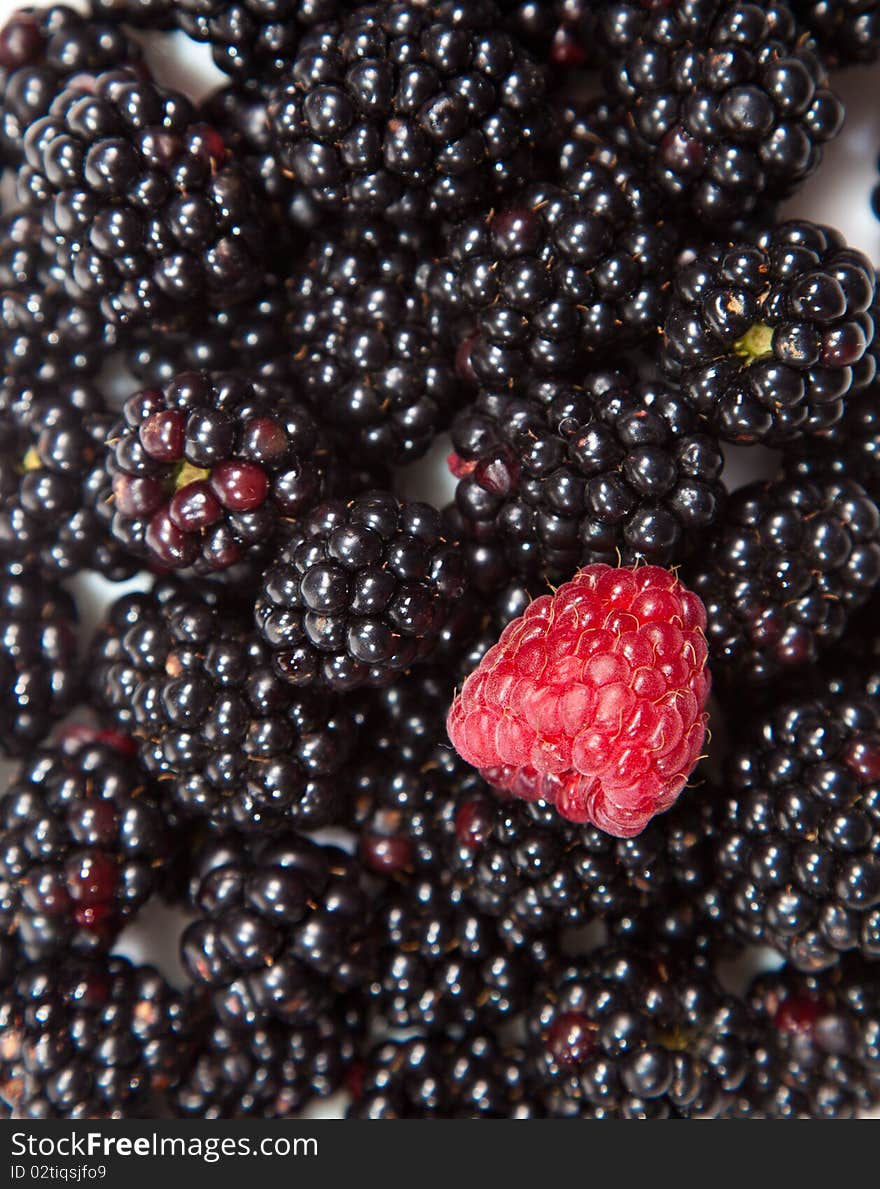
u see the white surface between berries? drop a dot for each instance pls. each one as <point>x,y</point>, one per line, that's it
<point>838,194</point>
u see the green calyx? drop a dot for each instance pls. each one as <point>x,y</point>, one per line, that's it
<point>186,473</point>
<point>756,343</point>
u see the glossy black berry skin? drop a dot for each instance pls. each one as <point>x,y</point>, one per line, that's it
<point>564,475</point>
<point>52,477</point>
<point>147,212</point>
<point>847,32</point>
<point>798,850</point>
<point>282,927</point>
<point>766,337</point>
<point>39,663</point>
<point>561,33</point>
<point>40,50</point>
<point>442,963</point>
<point>728,103</point>
<point>89,1038</point>
<point>790,562</point>
<point>630,1036</point>
<point>360,592</point>
<point>269,1071</point>
<point>819,1056</point>
<point>558,273</point>
<point>45,335</point>
<point>210,470</point>
<point>191,681</point>
<point>140,14</point>
<point>849,450</point>
<point>83,844</point>
<point>436,1077</point>
<point>407,110</point>
<point>368,357</point>
<point>255,40</point>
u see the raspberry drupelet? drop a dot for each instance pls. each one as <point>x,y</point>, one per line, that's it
<point>594,699</point>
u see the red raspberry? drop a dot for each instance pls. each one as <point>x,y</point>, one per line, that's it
<point>594,699</point>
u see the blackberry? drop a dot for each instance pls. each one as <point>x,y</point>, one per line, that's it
<point>438,1077</point>
<point>83,844</point>
<point>846,31</point>
<point>791,561</point>
<point>364,347</point>
<point>44,334</point>
<point>90,1038</point>
<point>141,14</point>
<point>821,1056</point>
<point>212,469</point>
<point>39,668</point>
<point>609,471</point>
<point>561,33</point>
<point>441,963</point>
<point>627,1036</point>
<point>240,113</point>
<point>403,773</point>
<point>561,272</point>
<point>359,593</point>
<point>282,927</point>
<point>849,450</point>
<point>184,673</point>
<point>255,40</point>
<point>52,479</point>
<point>41,49</point>
<point>270,1071</point>
<point>521,863</point>
<point>798,844</point>
<point>147,212</point>
<point>728,103</point>
<point>248,339</point>
<point>763,337</point>
<point>410,110</point>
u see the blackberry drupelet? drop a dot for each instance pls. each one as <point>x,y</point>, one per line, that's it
<point>39,668</point>
<point>83,845</point>
<point>560,273</point>
<point>52,479</point>
<point>41,50</point>
<point>798,844</point>
<point>282,928</point>
<point>185,674</point>
<point>240,114</point>
<point>846,31</point>
<point>247,339</point>
<point>563,476</point>
<point>728,103</point>
<point>410,110</point>
<point>764,337</point>
<point>147,212</point>
<point>626,1036</point>
<point>91,1038</point>
<point>141,14</point>
<point>439,1077</point>
<point>212,469</point>
<point>442,964</point>
<point>790,562</point>
<point>253,41</point>
<point>561,33</point>
<point>270,1071</point>
<point>849,450</point>
<point>520,862</point>
<point>364,346</point>
<point>820,1056</point>
<point>44,334</point>
<point>359,593</point>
